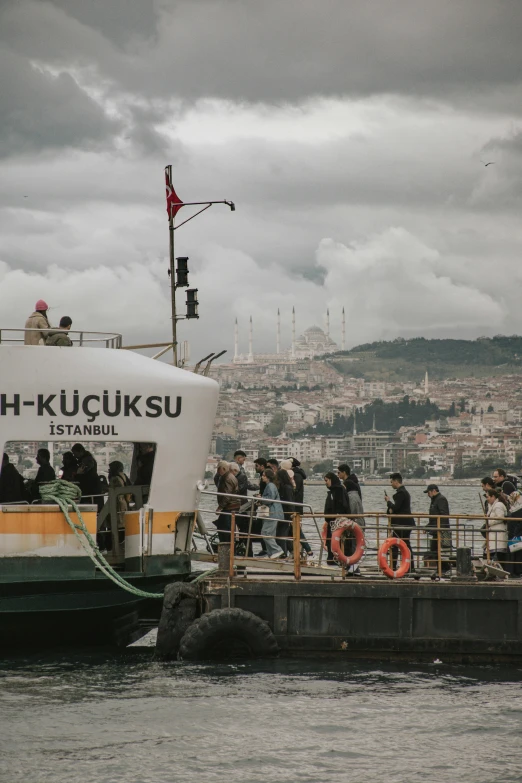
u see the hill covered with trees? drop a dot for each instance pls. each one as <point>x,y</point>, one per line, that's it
<point>408,359</point>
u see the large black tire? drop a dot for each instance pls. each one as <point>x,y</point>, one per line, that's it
<point>180,607</point>
<point>228,633</point>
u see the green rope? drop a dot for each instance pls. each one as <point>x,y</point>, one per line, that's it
<point>65,494</point>
<point>203,575</point>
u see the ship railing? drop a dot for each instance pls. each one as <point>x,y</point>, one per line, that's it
<point>433,548</point>
<point>79,338</point>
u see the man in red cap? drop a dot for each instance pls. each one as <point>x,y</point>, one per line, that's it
<point>37,321</point>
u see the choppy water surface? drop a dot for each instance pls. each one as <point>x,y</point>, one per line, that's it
<point>110,718</point>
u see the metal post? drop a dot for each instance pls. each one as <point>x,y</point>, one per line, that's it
<point>232,544</point>
<point>439,559</point>
<point>296,532</point>
<point>173,291</point>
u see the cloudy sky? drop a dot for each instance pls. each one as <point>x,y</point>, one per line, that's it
<point>351,135</point>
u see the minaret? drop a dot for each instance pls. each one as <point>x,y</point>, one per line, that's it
<point>250,343</point>
<point>354,423</point>
<point>278,337</point>
<point>236,342</point>
<point>343,336</point>
<point>373,427</point>
<point>426,384</point>
<point>328,322</point>
<point>293,332</point>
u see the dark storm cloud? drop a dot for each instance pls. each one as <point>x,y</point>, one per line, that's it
<point>41,111</point>
<point>278,50</point>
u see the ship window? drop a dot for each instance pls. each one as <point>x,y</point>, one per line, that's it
<point>137,461</point>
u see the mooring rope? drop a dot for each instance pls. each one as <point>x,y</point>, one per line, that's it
<point>65,494</point>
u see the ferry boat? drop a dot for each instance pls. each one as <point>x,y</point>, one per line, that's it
<point>98,392</point>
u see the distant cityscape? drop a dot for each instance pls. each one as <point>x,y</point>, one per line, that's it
<point>283,405</point>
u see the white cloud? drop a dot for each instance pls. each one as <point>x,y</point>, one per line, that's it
<point>389,284</point>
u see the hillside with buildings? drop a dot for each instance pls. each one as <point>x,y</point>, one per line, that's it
<point>448,408</point>
<point>403,359</point>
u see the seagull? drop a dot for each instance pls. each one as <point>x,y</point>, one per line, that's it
<point>491,162</point>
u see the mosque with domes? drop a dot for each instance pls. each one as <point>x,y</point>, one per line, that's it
<point>312,343</point>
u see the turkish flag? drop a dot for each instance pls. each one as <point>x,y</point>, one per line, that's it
<point>174,203</point>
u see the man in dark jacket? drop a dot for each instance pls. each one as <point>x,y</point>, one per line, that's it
<point>45,472</point>
<point>242,479</point>
<point>439,509</point>
<point>401,526</point>
<point>299,478</point>
<point>146,457</point>
<point>503,482</point>
<point>12,489</point>
<point>87,476</point>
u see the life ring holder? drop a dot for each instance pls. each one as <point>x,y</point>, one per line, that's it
<point>405,558</point>
<point>336,544</point>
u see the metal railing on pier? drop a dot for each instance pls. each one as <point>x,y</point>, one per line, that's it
<point>433,540</point>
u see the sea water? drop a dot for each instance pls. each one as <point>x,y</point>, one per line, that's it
<point>109,717</point>
<point>104,717</point>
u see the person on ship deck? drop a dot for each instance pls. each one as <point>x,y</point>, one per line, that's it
<point>45,473</point>
<point>39,325</point>
<point>12,487</point>
<point>87,476</point>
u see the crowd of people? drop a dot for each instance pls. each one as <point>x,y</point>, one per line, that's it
<point>40,332</point>
<point>278,496</point>
<point>502,507</point>
<point>281,493</point>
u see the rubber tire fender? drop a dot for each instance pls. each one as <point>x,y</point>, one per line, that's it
<point>228,633</point>
<point>180,608</point>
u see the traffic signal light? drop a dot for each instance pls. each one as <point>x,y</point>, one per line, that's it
<point>192,303</point>
<point>182,272</point>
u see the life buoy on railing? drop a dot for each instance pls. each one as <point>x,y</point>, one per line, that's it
<point>405,558</point>
<point>336,544</point>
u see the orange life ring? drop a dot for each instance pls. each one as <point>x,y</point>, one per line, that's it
<point>405,558</point>
<point>359,544</point>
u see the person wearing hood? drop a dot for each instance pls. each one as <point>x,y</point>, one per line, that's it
<point>299,478</point>
<point>39,323</point>
<point>336,505</point>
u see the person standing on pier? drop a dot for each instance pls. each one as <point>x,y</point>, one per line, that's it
<point>497,537</point>
<point>439,509</point>
<point>299,478</point>
<point>401,525</point>
<point>337,505</point>
<point>503,482</point>
<point>270,501</point>
<point>242,479</point>
<point>226,505</point>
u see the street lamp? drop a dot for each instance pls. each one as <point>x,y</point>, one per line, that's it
<point>174,204</point>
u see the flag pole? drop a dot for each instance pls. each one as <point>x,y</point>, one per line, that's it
<point>172,280</point>
<point>174,203</point>
<point>173,292</point>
